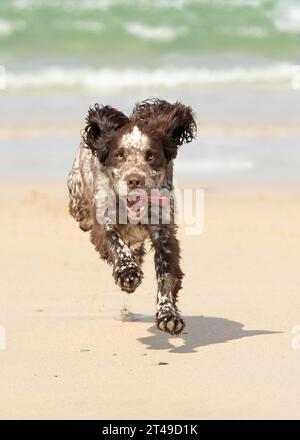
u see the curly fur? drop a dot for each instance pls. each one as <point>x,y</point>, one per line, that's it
<point>175,123</point>
<point>102,123</point>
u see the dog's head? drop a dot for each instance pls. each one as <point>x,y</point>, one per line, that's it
<point>135,150</point>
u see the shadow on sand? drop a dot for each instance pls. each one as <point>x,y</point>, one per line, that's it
<point>200,331</point>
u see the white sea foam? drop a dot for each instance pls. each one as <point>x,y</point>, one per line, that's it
<point>287,17</point>
<point>158,33</point>
<point>107,78</point>
<point>8,27</point>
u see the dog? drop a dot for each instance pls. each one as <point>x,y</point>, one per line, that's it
<point>125,159</point>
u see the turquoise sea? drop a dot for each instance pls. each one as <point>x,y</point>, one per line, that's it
<point>235,61</point>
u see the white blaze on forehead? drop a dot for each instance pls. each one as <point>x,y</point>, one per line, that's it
<point>135,139</point>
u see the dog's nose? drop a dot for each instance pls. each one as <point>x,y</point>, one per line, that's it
<point>135,181</point>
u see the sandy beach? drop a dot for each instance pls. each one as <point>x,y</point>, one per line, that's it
<point>66,350</point>
<point>68,354</point>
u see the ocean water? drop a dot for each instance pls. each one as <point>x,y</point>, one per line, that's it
<point>237,62</point>
<point>113,43</point>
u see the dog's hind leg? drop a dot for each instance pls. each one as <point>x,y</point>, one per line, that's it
<point>79,205</point>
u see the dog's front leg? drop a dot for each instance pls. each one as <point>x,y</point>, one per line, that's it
<point>169,276</point>
<point>126,271</point>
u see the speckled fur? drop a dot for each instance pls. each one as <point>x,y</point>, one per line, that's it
<point>154,124</point>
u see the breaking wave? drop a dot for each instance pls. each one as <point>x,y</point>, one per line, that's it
<point>108,78</point>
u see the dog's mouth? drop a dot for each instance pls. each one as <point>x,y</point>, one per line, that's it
<point>138,203</point>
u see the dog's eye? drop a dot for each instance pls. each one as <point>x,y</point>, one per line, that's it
<point>119,155</point>
<point>150,156</point>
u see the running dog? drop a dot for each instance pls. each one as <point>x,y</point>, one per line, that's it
<point>124,168</point>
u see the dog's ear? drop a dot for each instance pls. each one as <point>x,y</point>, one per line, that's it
<point>175,123</point>
<point>102,125</point>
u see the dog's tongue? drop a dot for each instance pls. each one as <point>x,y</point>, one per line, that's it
<point>159,200</point>
<point>132,202</point>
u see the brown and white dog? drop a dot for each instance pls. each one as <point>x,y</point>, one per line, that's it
<point>129,158</point>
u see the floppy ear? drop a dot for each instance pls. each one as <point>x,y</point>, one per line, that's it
<point>102,124</point>
<point>175,123</point>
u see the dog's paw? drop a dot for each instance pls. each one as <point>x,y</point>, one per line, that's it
<point>129,279</point>
<point>170,323</point>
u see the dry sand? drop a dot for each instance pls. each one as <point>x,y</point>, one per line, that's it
<point>69,356</point>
